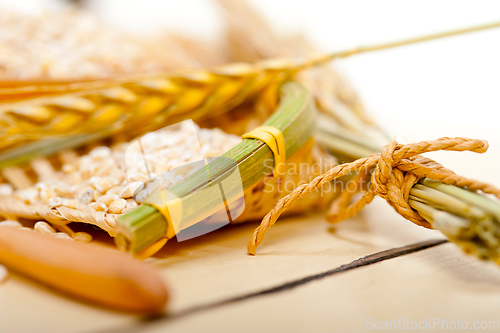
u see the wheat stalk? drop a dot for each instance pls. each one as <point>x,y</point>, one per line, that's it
<point>153,100</point>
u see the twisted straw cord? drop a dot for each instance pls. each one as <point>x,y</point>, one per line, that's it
<point>346,196</point>
<point>394,171</point>
<point>450,178</point>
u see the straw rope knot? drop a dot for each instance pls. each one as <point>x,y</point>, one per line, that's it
<point>392,174</point>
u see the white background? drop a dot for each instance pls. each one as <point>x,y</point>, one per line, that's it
<point>442,88</point>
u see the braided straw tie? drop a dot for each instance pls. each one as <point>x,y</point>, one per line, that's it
<point>393,173</point>
<point>58,215</point>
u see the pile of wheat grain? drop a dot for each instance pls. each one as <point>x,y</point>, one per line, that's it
<point>69,45</point>
<point>106,178</point>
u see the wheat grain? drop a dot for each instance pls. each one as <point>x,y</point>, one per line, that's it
<point>62,235</point>
<point>82,237</point>
<point>117,206</point>
<point>107,199</point>
<point>98,207</point>
<point>54,202</point>
<point>6,190</point>
<point>70,203</point>
<point>11,223</point>
<point>29,195</point>
<point>128,190</point>
<point>44,228</point>
<point>3,273</point>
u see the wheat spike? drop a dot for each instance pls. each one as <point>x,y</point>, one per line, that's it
<point>149,101</point>
<point>34,112</point>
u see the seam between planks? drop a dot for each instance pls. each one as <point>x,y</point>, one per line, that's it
<point>361,262</point>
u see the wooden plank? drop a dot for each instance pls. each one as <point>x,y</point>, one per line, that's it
<point>362,262</point>
<point>215,267</point>
<point>438,289</point>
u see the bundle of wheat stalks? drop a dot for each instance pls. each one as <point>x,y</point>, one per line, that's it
<point>93,188</point>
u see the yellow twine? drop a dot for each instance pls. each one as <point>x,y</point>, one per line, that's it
<point>170,206</point>
<point>274,139</point>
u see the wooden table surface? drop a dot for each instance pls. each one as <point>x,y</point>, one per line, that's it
<point>309,276</point>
